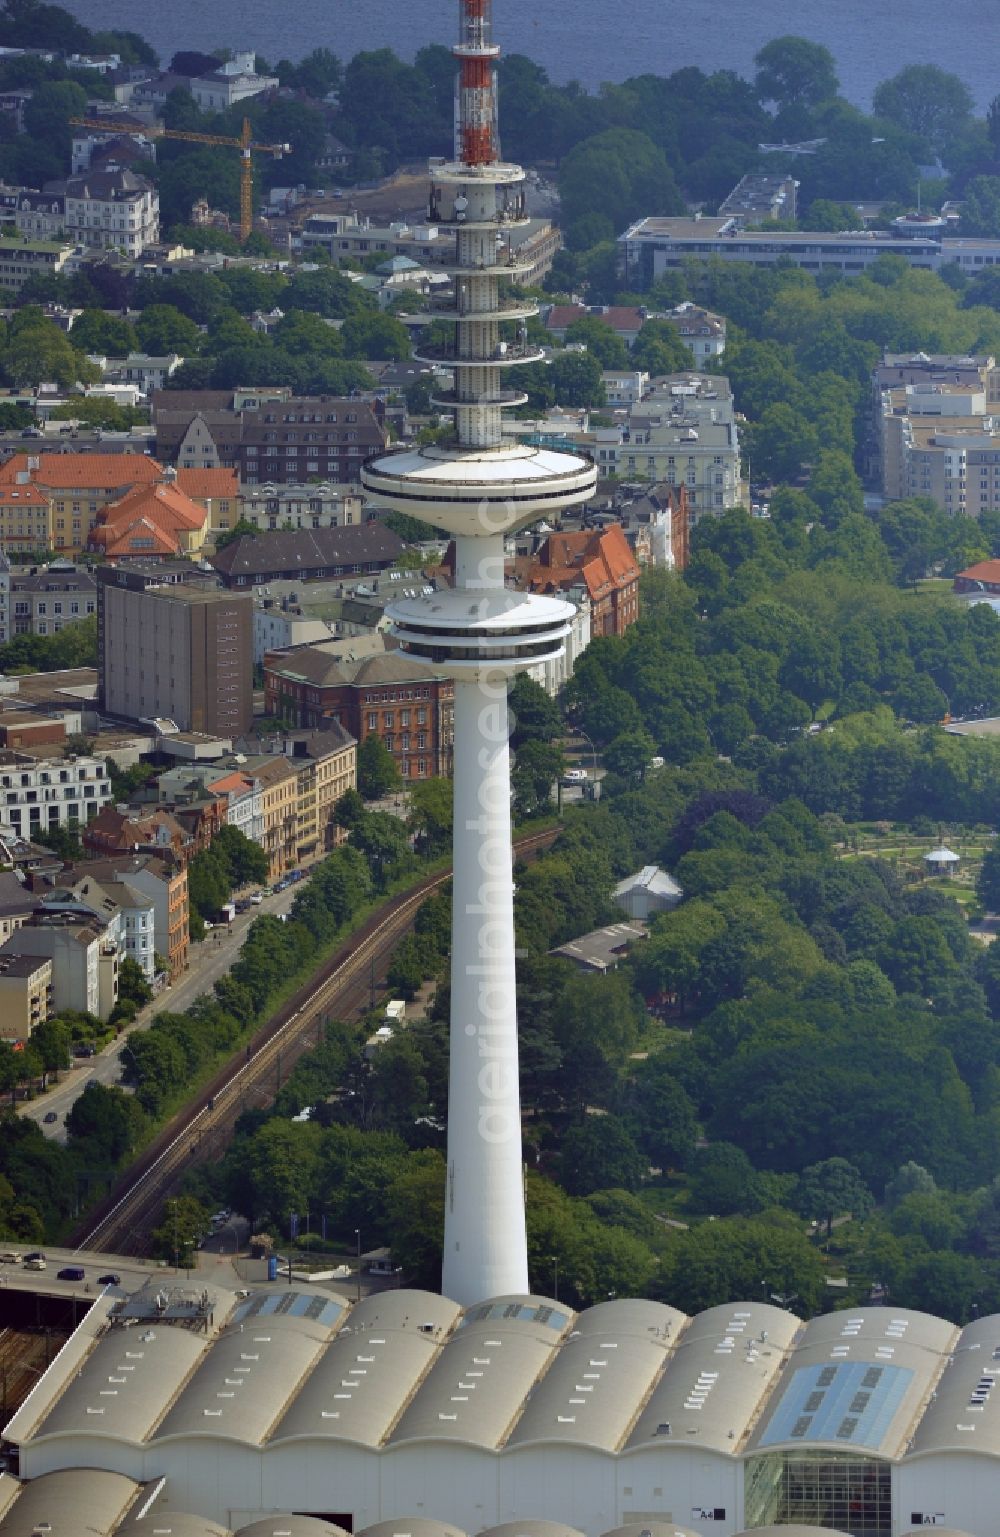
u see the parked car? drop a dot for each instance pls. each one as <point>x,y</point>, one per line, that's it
<point>49,1117</point>
<point>35,1260</point>
<point>70,1273</point>
<point>256,898</point>
<point>110,1279</point>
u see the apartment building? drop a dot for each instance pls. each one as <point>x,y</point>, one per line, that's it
<point>317,505</point>
<point>133,910</point>
<point>16,903</point>
<point>325,764</point>
<point>162,877</point>
<point>36,794</point>
<point>396,697</point>
<point>700,329</point>
<point>6,618</point>
<point>235,80</point>
<point>45,598</point>
<point>293,441</point>
<point>83,958</point>
<point>218,492</point>
<point>683,433</point>
<point>309,555</point>
<point>113,209</point>
<point>23,258</point>
<point>25,520</point>
<point>596,564</point>
<point>278,779</point>
<point>75,486</point>
<point>183,651</point>
<point>941,440</point>
<point>26,993</point>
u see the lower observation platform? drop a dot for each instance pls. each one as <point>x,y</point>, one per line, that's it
<point>480,491</point>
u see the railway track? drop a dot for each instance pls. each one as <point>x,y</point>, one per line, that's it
<point>340,989</point>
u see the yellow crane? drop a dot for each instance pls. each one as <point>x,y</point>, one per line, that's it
<point>245,144</point>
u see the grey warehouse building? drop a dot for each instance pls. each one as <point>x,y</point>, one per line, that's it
<point>406,1413</point>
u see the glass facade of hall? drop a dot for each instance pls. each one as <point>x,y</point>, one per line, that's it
<point>815,1488</point>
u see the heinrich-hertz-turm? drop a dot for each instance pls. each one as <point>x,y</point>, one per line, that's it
<point>481,487</point>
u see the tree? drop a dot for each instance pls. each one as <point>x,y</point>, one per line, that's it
<point>717,1261</point>
<point>107,1120</point>
<point>619,173</point>
<point>185,1222</point>
<point>132,984</point>
<point>377,771</point>
<point>534,714</point>
<point>47,114</point>
<point>723,1181</point>
<point>162,328</point>
<point>52,1040</point>
<point>599,338</point>
<point>575,379</point>
<point>244,861</point>
<point>375,336</point>
<point>794,72</point>
<point>826,1190</point>
<point>659,349</point>
<point>928,101</point>
<point>981,206</point>
<point>536,768</point>
<point>784,442</point>
<point>431,812</point>
<point>97,331</point>
<point>988,880</point>
<point>659,1114</point>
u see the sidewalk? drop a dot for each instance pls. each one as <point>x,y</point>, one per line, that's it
<point>211,959</point>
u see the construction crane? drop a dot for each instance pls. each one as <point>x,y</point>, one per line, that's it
<point>245,144</point>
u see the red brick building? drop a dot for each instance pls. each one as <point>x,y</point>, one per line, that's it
<point>399,699</point>
<point>600,560</point>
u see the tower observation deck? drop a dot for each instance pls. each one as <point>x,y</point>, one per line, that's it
<point>480,487</point>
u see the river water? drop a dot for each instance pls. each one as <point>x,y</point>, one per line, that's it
<point>591,40</point>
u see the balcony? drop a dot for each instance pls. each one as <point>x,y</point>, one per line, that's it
<point>504,355</point>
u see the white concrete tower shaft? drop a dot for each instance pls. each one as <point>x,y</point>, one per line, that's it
<point>480,487</point>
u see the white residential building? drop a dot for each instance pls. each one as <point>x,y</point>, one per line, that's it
<point>41,793</point>
<point>275,629</point>
<point>701,330</point>
<point>234,81</point>
<point>327,504</point>
<point>84,960</point>
<point>145,372</point>
<point>116,210</point>
<point>683,433</point>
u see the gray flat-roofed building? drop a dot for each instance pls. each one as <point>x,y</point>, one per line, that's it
<point>375,1363</point>
<point>79,1502</point>
<point>602,949</point>
<point>717,1378</point>
<point>601,1376</point>
<point>248,1377</point>
<point>478,1386</point>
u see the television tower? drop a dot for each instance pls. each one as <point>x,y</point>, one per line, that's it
<point>480,487</point>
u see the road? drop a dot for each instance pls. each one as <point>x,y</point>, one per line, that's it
<point>212,959</point>
<point>202,1129</point>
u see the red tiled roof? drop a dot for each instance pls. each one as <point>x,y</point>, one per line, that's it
<point>201,485</point>
<point>165,504</point>
<point>601,560</point>
<point>984,571</point>
<point>105,472</point>
<point>140,536</point>
<point>24,496</point>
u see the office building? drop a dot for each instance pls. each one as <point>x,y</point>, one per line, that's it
<point>182,651</point>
